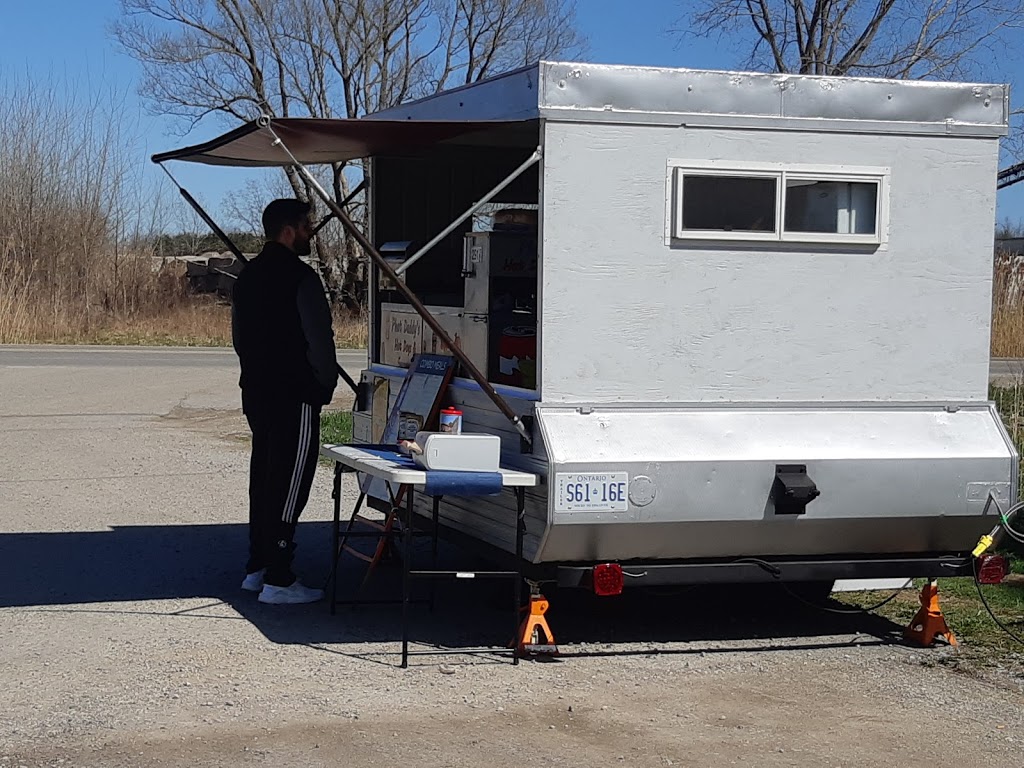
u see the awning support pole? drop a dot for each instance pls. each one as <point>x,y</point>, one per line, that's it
<point>237,251</point>
<point>206,217</point>
<point>344,203</point>
<point>530,161</point>
<point>411,297</point>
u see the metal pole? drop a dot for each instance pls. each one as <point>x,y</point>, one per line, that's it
<point>531,161</point>
<point>346,201</point>
<point>411,297</point>
<point>517,590</point>
<point>206,217</point>
<point>406,567</point>
<point>241,256</point>
<point>336,539</point>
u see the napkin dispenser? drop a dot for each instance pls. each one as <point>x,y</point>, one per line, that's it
<point>458,453</point>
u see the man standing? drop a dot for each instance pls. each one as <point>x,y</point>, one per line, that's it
<point>282,332</point>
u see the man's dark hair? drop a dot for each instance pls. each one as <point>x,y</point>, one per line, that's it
<point>286,212</point>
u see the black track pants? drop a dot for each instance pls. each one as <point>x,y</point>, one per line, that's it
<point>285,446</point>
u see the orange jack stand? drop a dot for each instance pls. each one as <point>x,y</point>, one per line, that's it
<point>535,628</point>
<point>928,623</point>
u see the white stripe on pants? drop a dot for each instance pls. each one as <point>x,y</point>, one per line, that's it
<point>301,454</point>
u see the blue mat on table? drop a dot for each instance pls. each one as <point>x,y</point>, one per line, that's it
<point>441,482</point>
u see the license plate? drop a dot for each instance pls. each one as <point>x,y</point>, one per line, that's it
<point>591,492</point>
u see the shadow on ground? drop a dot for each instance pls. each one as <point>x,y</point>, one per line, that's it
<point>89,571</point>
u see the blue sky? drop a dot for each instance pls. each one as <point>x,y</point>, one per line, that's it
<point>69,38</point>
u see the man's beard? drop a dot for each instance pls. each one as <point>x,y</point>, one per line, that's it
<point>302,247</point>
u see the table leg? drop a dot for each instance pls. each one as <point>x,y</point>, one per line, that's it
<point>518,590</point>
<point>339,539</point>
<point>406,557</point>
<point>435,521</point>
<point>337,536</point>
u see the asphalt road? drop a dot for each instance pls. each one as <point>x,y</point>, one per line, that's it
<point>1006,369</point>
<point>35,356</point>
<point>352,360</point>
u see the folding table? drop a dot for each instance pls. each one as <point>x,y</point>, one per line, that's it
<point>402,474</point>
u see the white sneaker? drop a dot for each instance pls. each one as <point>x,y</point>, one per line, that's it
<point>253,582</point>
<point>296,593</point>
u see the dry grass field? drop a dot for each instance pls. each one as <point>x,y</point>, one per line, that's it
<point>144,309</point>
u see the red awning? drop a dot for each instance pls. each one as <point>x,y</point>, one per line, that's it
<point>315,141</point>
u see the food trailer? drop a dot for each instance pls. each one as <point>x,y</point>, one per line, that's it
<point>738,323</point>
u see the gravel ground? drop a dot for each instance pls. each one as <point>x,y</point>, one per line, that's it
<point>126,642</point>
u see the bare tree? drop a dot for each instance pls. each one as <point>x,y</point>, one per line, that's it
<point>482,37</point>
<point>329,58</point>
<point>907,39</point>
<point>245,205</point>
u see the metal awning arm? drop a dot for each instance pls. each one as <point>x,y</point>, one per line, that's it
<point>343,204</point>
<point>400,285</point>
<point>206,217</point>
<point>237,251</point>
<point>530,161</point>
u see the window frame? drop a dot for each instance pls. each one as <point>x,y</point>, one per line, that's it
<point>722,234</point>
<point>678,170</point>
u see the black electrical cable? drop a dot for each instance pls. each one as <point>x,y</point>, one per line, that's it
<point>1004,519</point>
<point>1014,533</point>
<point>981,594</point>
<point>852,611</point>
<point>773,570</point>
<point>776,572</point>
<point>1004,522</point>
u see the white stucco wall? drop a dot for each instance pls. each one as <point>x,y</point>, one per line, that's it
<point>628,318</point>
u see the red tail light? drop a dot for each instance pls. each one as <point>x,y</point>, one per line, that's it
<point>992,569</point>
<point>607,579</point>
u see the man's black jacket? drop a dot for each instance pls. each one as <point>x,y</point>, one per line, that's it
<point>282,332</point>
